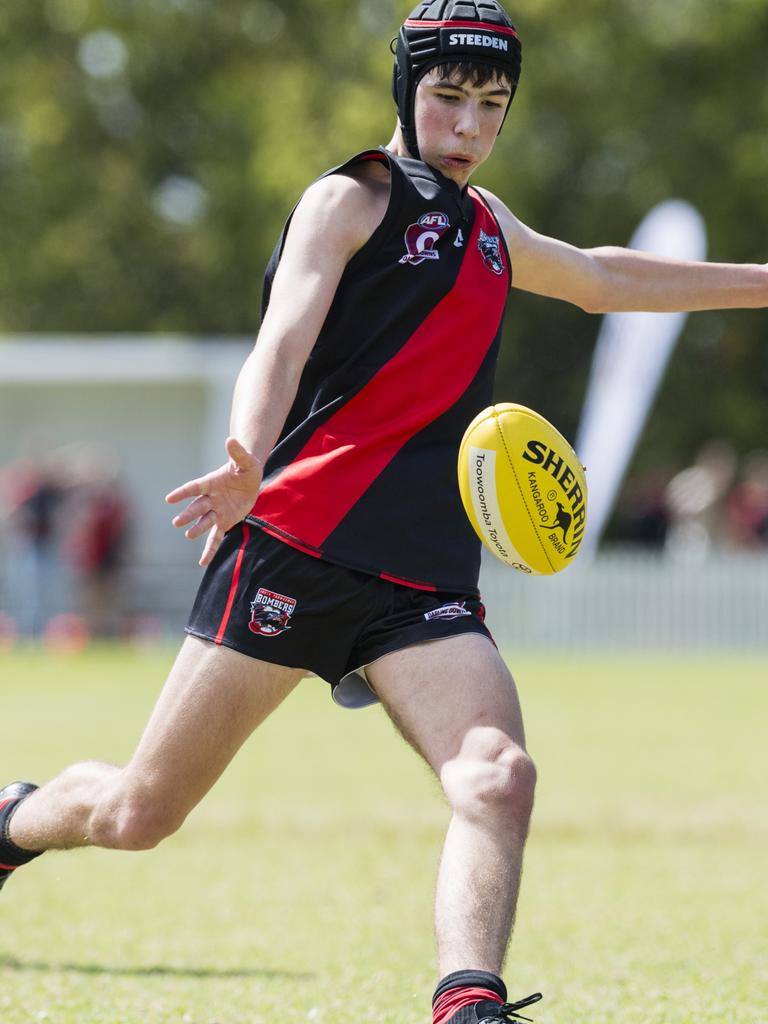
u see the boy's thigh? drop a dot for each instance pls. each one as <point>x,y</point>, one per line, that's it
<point>440,694</point>
<point>212,701</point>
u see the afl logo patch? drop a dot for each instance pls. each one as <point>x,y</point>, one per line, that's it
<point>490,250</point>
<point>421,237</point>
<point>270,613</point>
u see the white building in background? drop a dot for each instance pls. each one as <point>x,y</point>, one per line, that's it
<point>160,403</point>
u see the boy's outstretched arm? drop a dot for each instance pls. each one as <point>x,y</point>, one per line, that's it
<point>610,279</point>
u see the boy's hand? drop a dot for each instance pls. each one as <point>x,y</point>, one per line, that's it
<point>221,499</point>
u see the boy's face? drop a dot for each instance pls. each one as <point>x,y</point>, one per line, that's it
<point>457,122</point>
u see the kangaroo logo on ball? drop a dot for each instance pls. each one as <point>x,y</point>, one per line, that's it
<point>562,522</point>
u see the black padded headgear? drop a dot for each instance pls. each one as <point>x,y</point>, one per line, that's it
<point>447,31</point>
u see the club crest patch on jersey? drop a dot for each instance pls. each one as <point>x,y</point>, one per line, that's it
<point>490,250</point>
<point>270,613</point>
<point>421,237</point>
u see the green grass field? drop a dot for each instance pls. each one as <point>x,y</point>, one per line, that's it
<point>300,890</point>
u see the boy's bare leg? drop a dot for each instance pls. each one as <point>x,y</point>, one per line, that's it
<point>212,701</point>
<point>456,703</point>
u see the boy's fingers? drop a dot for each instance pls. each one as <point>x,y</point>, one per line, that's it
<point>215,538</point>
<point>204,523</point>
<point>240,455</point>
<point>199,507</point>
<point>189,490</point>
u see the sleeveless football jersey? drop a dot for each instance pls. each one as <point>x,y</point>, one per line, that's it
<point>364,472</point>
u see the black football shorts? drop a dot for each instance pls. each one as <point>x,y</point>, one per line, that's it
<point>268,600</point>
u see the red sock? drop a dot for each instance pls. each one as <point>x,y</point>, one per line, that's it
<point>455,999</point>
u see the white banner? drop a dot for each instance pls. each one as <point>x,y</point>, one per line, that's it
<point>630,357</point>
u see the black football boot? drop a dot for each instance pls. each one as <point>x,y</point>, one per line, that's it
<point>11,856</point>
<point>489,1012</point>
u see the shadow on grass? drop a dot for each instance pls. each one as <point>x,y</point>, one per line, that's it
<point>12,964</point>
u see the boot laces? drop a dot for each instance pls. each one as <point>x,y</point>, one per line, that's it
<point>507,1012</point>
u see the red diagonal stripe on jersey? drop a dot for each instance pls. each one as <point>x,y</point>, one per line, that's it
<point>344,456</point>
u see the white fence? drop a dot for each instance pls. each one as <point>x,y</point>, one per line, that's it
<point>633,600</point>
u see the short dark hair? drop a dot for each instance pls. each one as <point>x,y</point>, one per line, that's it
<point>461,71</point>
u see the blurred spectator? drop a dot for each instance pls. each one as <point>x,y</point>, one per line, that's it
<point>97,540</point>
<point>32,491</point>
<point>642,516</point>
<point>696,500</point>
<point>747,509</point>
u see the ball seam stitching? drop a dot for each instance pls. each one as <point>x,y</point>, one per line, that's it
<point>522,495</point>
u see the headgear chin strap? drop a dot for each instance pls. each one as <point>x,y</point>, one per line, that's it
<point>442,31</point>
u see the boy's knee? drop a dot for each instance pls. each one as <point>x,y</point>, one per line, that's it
<point>496,779</point>
<point>131,820</point>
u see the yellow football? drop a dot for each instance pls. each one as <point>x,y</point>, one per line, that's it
<point>523,488</point>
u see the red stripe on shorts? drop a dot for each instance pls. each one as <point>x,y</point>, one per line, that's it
<point>233,587</point>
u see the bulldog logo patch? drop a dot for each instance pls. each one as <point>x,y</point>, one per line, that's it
<point>490,250</point>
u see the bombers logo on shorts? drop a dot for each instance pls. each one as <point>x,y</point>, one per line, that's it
<point>270,613</point>
<point>420,238</point>
<point>490,250</point>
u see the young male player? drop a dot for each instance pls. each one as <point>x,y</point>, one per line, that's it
<point>336,541</point>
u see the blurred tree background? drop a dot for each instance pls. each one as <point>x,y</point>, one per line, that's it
<point>150,151</point>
